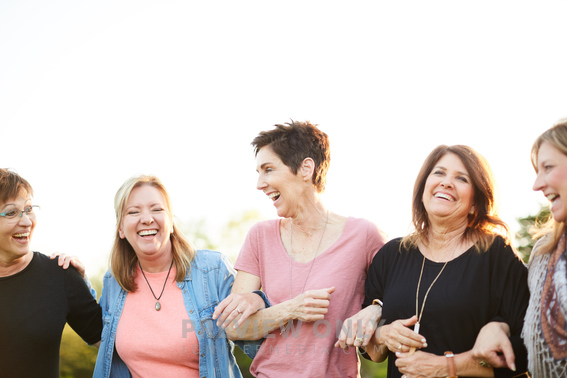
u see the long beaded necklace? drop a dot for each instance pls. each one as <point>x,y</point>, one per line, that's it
<point>158,305</point>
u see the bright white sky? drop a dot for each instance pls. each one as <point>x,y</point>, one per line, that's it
<point>92,92</point>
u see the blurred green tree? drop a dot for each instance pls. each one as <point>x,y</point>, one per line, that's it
<point>524,239</point>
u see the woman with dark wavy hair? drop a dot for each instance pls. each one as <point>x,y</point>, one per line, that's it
<point>454,274</point>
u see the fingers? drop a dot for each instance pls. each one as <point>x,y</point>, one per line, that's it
<point>221,306</point>
<point>399,338</point>
<point>509,356</point>
<point>237,307</point>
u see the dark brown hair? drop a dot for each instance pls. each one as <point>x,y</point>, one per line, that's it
<point>294,142</point>
<point>12,184</point>
<point>485,223</point>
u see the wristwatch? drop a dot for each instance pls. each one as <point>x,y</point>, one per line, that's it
<point>451,370</point>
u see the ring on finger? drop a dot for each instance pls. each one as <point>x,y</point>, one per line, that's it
<point>359,340</point>
<point>238,310</point>
<point>400,346</point>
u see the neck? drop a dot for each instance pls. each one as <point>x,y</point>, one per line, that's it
<point>311,219</point>
<point>11,267</point>
<point>156,265</point>
<point>443,241</point>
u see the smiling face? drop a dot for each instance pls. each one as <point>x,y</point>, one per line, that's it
<point>552,179</point>
<point>279,183</point>
<point>146,223</point>
<point>15,234</point>
<point>448,192</point>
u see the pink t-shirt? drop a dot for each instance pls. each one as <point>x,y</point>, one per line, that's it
<point>308,349</point>
<point>150,342</point>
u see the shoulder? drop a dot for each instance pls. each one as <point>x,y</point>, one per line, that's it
<point>371,229</point>
<point>51,266</point>
<point>390,249</point>
<point>206,260</point>
<point>264,226</point>
<point>502,254</point>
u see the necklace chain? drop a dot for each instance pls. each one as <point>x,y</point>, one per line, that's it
<point>417,313</point>
<point>158,305</point>
<point>291,252</point>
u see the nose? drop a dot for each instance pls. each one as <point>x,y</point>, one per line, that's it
<point>261,183</point>
<point>147,217</point>
<point>25,220</point>
<point>446,183</point>
<point>539,183</point>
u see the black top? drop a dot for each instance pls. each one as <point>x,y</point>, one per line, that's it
<point>35,304</point>
<point>474,289</point>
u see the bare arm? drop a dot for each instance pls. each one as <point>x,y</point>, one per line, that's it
<point>493,346</point>
<point>309,306</point>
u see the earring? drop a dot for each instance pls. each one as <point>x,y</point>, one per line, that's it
<point>471,211</point>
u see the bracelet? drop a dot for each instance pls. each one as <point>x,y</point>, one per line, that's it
<point>451,370</point>
<point>378,302</point>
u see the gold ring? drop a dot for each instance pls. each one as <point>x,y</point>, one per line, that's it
<point>400,347</point>
<point>359,340</point>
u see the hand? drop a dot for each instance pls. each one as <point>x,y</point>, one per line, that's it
<point>398,337</point>
<point>65,260</point>
<point>311,305</point>
<point>421,364</point>
<point>236,305</point>
<point>493,346</point>
<point>359,326</point>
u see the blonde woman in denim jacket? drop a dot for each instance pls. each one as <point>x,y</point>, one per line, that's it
<point>160,293</point>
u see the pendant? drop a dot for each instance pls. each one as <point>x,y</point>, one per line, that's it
<point>158,306</point>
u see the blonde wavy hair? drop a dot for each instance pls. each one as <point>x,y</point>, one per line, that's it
<point>557,137</point>
<point>123,259</point>
<point>484,224</point>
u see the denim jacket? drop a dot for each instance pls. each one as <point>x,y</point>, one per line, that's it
<point>207,283</point>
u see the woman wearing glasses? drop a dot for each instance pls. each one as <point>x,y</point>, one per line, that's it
<point>37,297</point>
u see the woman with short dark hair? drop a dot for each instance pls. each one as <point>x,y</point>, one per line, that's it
<point>310,262</point>
<point>37,296</point>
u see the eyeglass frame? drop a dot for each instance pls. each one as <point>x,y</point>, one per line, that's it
<point>27,210</point>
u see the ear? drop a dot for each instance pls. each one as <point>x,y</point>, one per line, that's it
<point>307,169</point>
<point>121,233</point>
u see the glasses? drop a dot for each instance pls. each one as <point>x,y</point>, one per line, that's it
<point>15,214</point>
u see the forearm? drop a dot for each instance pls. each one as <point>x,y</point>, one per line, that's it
<point>375,350</point>
<point>261,323</point>
<point>467,366</point>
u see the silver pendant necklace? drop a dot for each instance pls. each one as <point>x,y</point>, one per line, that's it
<point>158,305</point>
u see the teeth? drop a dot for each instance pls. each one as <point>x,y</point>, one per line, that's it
<point>274,195</point>
<point>551,197</point>
<point>25,235</point>
<point>445,196</point>
<point>147,232</point>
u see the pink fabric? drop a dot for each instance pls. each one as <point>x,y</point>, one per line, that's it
<point>150,342</point>
<point>308,350</point>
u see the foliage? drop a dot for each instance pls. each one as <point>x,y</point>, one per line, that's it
<point>523,237</point>
<point>76,359</point>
